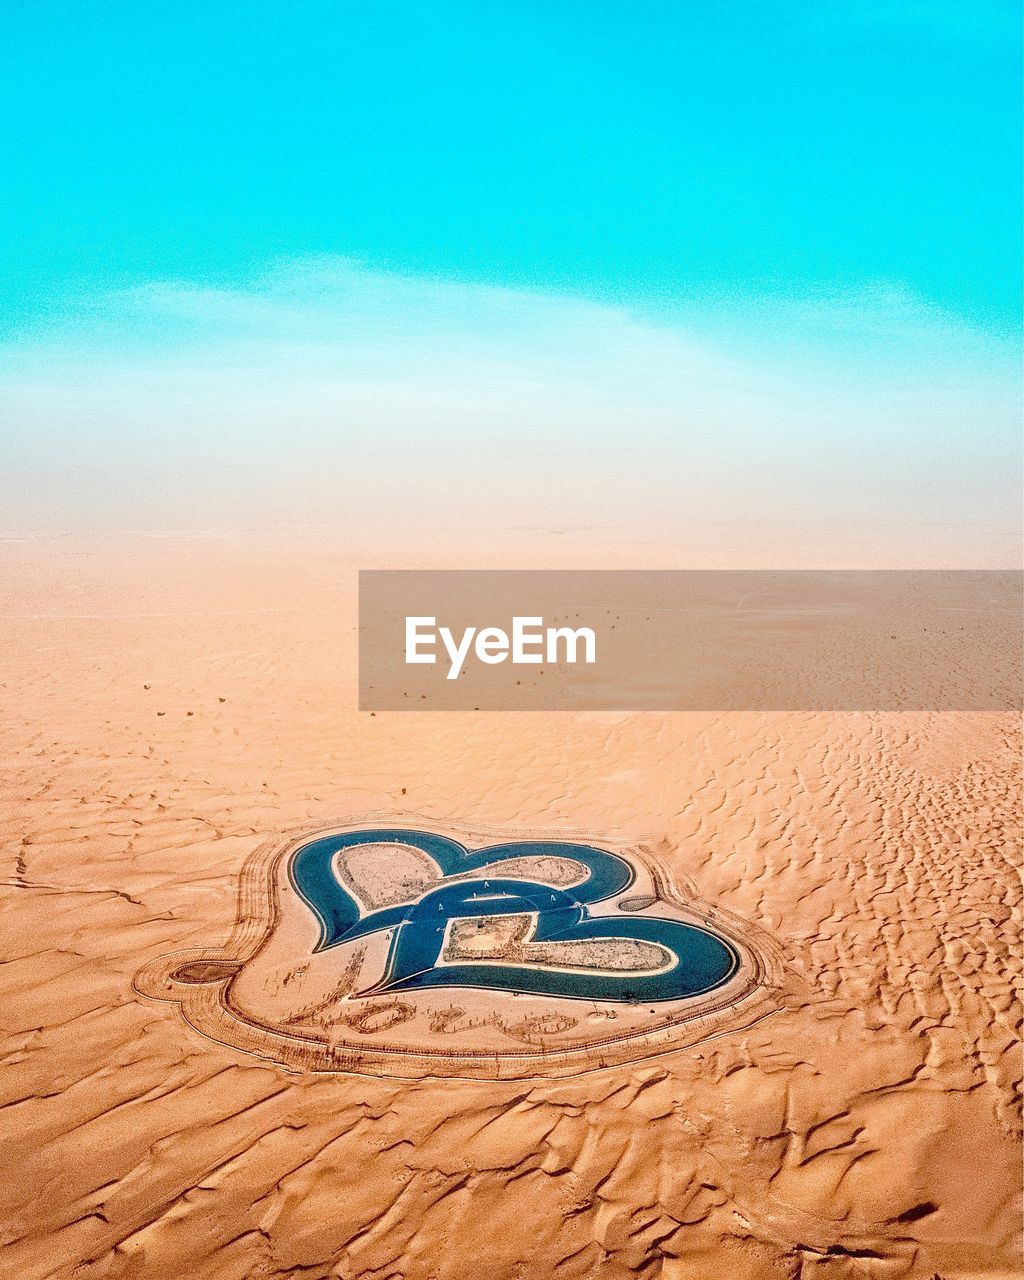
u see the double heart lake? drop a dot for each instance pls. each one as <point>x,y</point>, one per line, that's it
<point>675,960</point>
<point>408,952</point>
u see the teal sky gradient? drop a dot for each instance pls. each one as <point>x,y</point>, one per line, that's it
<point>643,150</point>
<point>479,267</point>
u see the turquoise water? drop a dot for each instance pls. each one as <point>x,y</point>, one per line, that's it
<point>702,959</point>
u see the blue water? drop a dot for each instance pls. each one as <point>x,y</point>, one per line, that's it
<point>703,959</point>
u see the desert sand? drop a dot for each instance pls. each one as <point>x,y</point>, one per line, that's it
<point>172,703</point>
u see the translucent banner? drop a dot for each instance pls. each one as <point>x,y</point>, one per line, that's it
<point>690,640</point>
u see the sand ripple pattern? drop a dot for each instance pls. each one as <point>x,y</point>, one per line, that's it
<point>868,1132</point>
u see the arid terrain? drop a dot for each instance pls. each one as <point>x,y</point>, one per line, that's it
<point>171,703</point>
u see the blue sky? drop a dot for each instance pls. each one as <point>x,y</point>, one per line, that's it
<point>668,267</point>
<point>642,150</point>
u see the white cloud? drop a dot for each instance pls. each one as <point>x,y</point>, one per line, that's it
<point>329,383</point>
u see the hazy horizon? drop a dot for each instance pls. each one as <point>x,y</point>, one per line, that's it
<point>672,272</point>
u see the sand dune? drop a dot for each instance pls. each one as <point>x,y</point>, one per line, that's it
<point>169,705</point>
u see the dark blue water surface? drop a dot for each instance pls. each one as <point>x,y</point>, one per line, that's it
<point>703,959</point>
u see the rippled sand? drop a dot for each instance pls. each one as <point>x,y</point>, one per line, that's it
<point>170,703</point>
